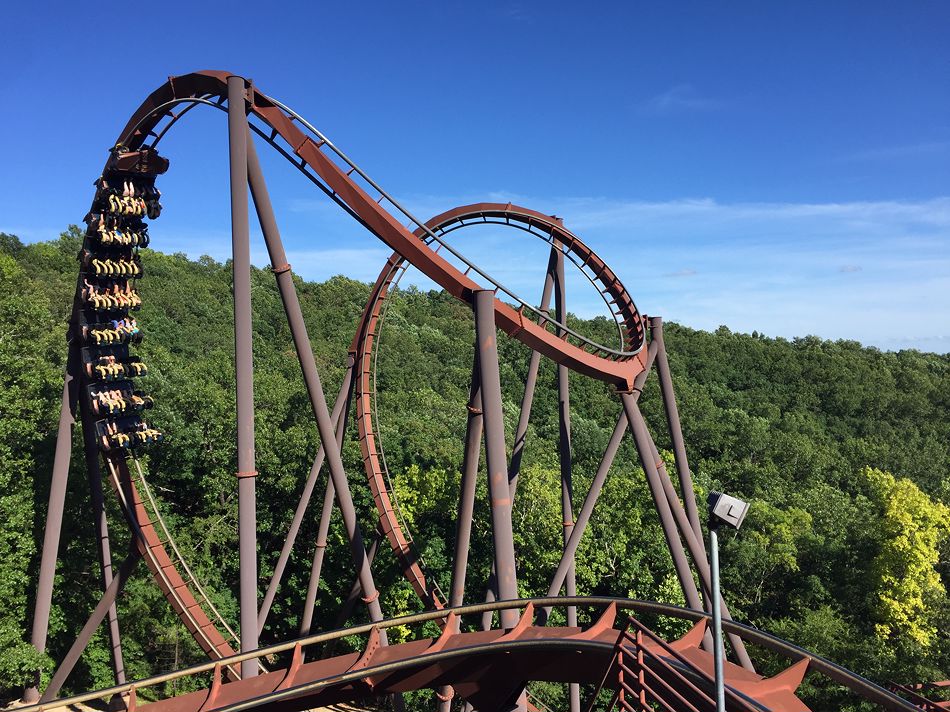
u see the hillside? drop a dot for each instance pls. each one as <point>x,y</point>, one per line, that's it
<point>843,450</point>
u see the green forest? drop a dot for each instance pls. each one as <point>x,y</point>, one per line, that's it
<point>843,451</point>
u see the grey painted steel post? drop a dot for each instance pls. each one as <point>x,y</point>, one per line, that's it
<point>698,554</point>
<point>717,620</point>
<point>642,440</point>
<point>244,368</point>
<point>463,528</point>
<point>518,445</point>
<point>596,486</point>
<point>304,501</point>
<point>311,376</point>
<point>530,384</point>
<point>98,614</point>
<point>54,517</point>
<point>675,429</point>
<point>101,524</point>
<point>565,455</point>
<point>493,416</point>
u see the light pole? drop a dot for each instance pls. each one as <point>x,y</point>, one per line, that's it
<point>728,511</point>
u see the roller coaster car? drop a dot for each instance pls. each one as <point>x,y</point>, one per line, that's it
<point>117,397</point>
<point>144,162</point>
<point>109,252</point>
<point>125,197</point>
<point>124,331</point>
<point>106,335</point>
<point>127,186</point>
<point>111,262</point>
<point>125,433</point>
<point>112,363</point>
<point>110,231</point>
<point>110,296</point>
<point>114,370</point>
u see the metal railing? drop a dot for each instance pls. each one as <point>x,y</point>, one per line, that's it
<point>417,225</point>
<point>647,681</point>
<point>861,686</point>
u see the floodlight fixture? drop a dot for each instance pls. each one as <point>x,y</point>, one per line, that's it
<point>729,511</point>
<point>725,509</point>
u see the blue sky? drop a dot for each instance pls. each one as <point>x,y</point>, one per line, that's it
<point>782,168</point>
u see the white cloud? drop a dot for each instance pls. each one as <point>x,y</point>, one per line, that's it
<point>682,98</point>
<point>356,263</point>
<point>869,271</point>
<point>874,271</point>
<point>908,150</point>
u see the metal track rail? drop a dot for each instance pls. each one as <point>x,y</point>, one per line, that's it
<point>179,592</point>
<point>517,652</point>
<point>864,688</point>
<point>347,184</point>
<point>365,350</point>
<point>173,586</point>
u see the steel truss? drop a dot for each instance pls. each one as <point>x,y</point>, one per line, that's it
<point>489,667</point>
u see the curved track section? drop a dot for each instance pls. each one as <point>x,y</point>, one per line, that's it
<point>332,170</point>
<point>363,349</point>
<point>490,667</point>
<point>176,590</point>
<point>103,323</point>
<point>420,248</point>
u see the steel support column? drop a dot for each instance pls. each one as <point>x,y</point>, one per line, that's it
<point>698,554</point>
<point>316,566</point>
<point>463,527</point>
<point>338,416</point>
<point>311,376</point>
<point>101,525</point>
<point>54,514</point>
<point>498,491</point>
<point>329,495</point>
<point>244,369</point>
<point>564,433</point>
<point>521,431</point>
<point>673,423</point>
<point>690,529</point>
<point>98,614</point>
<point>565,455</point>
<point>355,590</point>
<point>326,512</point>
<point>530,384</point>
<point>642,440</point>
<point>596,486</point>
<point>583,516</point>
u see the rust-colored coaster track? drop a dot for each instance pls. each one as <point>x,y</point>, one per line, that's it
<point>618,366</point>
<point>177,591</point>
<point>628,660</point>
<point>489,668</point>
<point>363,348</point>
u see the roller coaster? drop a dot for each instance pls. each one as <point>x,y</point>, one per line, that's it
<point>487,652</point>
